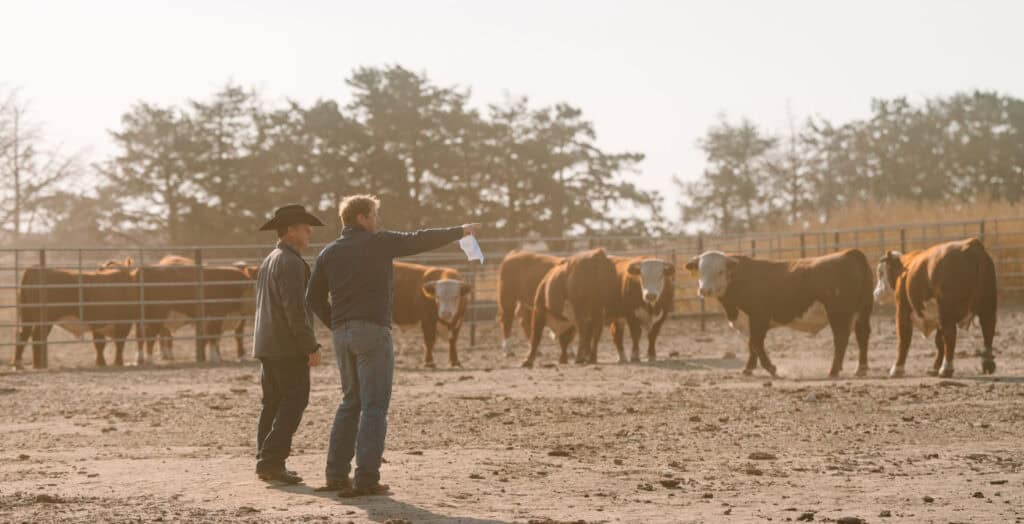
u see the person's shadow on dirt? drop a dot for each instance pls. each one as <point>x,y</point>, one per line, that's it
<point>382,508</point>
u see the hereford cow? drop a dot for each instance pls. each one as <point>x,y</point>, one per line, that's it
<point>646,297</point>
<point>807,295</point>
<point>434,298</point>
<point>174,297</point>
<point>102,302</point>
<point>519,276</point>
<point>576,294</point>
<point>938,289</point>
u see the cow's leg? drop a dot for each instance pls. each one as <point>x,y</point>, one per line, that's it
<point>121,332</point>
<point>652,339</point>
<point>949,337</point>
<point>595,336</point>
<point>986,312</point>
<point>453,353</point>
<point>904,332</point>
<point>23,338</point>
<point>940,351</point>
<point>840,340</point>
<point>585,333</point>
<point>758,332</point>
<point>751,356</point>
<point>635,330</point>
<point>536,330</point>
<point>215,330</point>
<point>200,341</point>
<point>429,338</point>
<point>564,341</point>
<point>862,329</point>
<point>39,336</point>
<point>618,336</point>
<point>99,341</point>
<point>507,317</point>
<point>166,340</point>
<point>240,340</point>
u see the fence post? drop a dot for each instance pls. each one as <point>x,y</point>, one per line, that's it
<point>17,300</point>
<point>700,249</point>
<point>472,307</point>
<point>142,328</point>
<point>201,321</point>
<point>903,240</point>
<point>835,244</point>
<point>753,248</point>
<point>39,349</point>
<point>803,245</point>
<point>81,294</point>
<point>981,231</point>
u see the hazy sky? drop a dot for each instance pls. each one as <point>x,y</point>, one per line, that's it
<point>651,75</point>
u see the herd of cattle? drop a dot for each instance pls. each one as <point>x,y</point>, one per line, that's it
<point>939,289</point>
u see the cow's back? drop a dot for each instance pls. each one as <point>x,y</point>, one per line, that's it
<point>953,271</point>
<point>521,273</point>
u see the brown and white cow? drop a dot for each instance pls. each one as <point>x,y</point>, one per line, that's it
<point>519,276</point>
<point>938,289</point>
<point>646,298</point>
<point>808,294</point>
<point>174,297</point>
<point>102,302</point>
<point>164,331</point>
<point>436,299</point>
<point>575,295</point>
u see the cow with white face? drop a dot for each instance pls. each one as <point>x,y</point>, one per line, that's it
<point>436,299</point>
<point>940,289</point>
<point>808,294</point>
<point>646,298</point>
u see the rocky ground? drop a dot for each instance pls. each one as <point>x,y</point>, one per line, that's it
<point>685,439</point>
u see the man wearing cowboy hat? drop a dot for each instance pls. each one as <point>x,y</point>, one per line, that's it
<point>350,292</point>
<point>283,341</point>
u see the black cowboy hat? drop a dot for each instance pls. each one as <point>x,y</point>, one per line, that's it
<point>291,214</point>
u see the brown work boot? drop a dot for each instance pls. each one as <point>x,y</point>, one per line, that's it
<point>279,475</point>
<point>376,489</point>
<point>344,484</point>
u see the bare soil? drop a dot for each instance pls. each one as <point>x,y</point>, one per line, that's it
<point>684,439</point>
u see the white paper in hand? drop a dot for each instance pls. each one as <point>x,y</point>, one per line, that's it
<point>471,247</point>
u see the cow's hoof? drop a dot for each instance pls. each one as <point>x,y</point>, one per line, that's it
<point>527,364</point>
<point>861,372</point>
<point>988,366</point>
<point>652,358</point>
<point>456,364</point>
<point>946,372</point>
<point>748,371</point>
<point>771,369</point>
<point>933,372</point>
<point>17,366</point>
<point>897,372</point>
<point>101,363</point>
<point>635,360</point>
<point>833,375</point>
<point>429,365</point>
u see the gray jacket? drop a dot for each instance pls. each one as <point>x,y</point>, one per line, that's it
<point>283,328</point>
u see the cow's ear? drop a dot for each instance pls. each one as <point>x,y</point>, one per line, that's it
<point>670,269</point>
<point>129,261</point>
<point>731,263</point>
<point>633,269</point>
<point>430,288</point>
<point>693,266</point>
<point>466,288</point>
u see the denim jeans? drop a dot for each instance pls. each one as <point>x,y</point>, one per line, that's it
<point>366,362</point>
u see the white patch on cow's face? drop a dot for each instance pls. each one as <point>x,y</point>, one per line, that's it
<point>652,280</point>
<point>883,291</point>
<point>447,294</point>
<point>713,274</point>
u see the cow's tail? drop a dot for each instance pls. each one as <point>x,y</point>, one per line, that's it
<point>865,286</point>
<point>985,299</point>
<point>507,301</point>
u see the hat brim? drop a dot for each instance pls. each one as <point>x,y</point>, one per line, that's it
<point>280,221</point>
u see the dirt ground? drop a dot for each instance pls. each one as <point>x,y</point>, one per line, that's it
<point>685,439</point>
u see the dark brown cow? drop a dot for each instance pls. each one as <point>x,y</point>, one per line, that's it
<point>174,296</point>
<point>576,294</point>
<point>937,289</point>
<point>807,295</point>
<point>434,298</point>
<point>105,304</point>
<point>645,300</point>
<point>519,276</point>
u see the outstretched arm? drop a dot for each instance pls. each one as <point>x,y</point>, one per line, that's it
<point>400,244</point>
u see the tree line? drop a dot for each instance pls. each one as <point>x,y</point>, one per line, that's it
<point>210,171</point>
<point>966,147</point>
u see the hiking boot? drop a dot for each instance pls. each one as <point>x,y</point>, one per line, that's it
<point>376,489</point>
<point>336,485</point>
<point>279,475</point>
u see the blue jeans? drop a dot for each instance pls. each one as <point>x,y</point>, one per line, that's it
<point>366,361</point>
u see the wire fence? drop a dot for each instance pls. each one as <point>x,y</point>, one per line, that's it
<point>210,288</point>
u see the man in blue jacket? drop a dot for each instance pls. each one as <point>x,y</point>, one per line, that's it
<point>283,341</point>
<point>356,270</point>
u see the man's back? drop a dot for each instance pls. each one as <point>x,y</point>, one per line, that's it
<point>356,269</point>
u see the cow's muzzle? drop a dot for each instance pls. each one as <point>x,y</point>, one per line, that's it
<point>650,298</point>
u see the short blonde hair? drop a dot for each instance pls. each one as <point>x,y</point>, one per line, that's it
<point>355,205</point>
